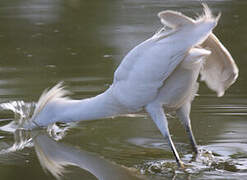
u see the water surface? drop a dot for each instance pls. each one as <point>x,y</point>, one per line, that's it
<point>81,42</point>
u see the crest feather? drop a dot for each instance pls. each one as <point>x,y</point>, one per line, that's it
<point>57,92</point>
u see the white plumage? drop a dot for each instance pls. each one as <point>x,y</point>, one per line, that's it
<point>159,73</point>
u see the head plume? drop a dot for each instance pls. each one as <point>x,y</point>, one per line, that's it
<point>57,92</point>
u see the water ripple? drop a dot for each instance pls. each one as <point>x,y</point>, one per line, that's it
<point>223,109</point>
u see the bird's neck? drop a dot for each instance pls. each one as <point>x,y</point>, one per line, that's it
<point>101,106</point>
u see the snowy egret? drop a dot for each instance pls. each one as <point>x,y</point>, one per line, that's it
<point>160,73</point>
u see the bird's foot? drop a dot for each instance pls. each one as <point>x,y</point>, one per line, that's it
<point>181,164</point>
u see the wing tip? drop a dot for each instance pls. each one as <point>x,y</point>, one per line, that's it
<point>174,19</point>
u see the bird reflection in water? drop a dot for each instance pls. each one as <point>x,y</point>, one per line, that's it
<point>55,156</point>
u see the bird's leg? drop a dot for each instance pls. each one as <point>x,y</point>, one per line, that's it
<point>183,114</point>
<point>158,116</point>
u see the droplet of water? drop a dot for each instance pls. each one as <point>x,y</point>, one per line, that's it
<point>107,56</point>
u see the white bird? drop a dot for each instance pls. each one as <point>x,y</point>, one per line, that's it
<point>160,73</point>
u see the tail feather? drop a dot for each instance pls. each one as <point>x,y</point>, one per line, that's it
<point>57,92</point>
<point>207,14</point>
<point>207,11</point>
<point>174,19</point>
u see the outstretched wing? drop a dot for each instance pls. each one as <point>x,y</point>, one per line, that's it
<point>219,71</point>
<point>144,69</point>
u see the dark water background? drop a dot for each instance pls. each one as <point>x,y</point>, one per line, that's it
<point>81,42</point>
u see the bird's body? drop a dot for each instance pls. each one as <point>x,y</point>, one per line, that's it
<point>159,73</point>
<point>108,104</point>
<point>174,95</point>
<point>142,73</point>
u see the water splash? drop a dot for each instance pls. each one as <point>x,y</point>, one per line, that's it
<point>205,161</point>
<point>23,139</point>
<point>22,113</point>
<point>57,132</point>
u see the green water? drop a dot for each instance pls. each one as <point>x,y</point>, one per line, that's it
<point>81,43</point>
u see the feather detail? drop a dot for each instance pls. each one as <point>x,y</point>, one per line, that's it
<point>174,19</point>
<point>57,92</point>
<point>207,14</point>
<point>219,70</point>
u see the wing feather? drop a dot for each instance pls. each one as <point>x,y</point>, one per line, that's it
<point>219,71</point>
